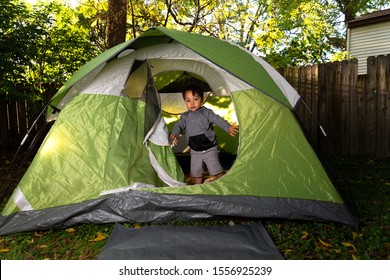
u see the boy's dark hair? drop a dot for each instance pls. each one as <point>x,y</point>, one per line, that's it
<point>196,90</point>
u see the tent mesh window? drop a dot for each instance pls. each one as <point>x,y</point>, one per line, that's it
<point>152,102</point>
<point>140,86</point>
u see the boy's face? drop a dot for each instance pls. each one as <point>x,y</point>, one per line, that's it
<point>193,102</point>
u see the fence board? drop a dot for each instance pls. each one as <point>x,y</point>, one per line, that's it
<point>381,135</point>
<point>388,104</point>
<point>3,126</point>
<point>362,116</point>
<point>353,107</point>
<point>306,79</point>
<point>13,122</point>
<point>313,77</point>
<point>22,116</point>
<point>300,83</point>
<point>371,106</point>
<point>345,120</point>
<point>328,113</point>
<point>323,106</point>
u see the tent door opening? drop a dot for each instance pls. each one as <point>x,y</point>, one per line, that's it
<point>162,95</point>
<point>170,85</point>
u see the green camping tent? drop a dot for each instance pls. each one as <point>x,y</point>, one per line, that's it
<point>107,157</point>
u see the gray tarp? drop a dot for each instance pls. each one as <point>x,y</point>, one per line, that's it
<point>142,207</point>
<point>168,242</point>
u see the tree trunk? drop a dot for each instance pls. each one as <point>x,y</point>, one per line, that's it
<point>116,23</point>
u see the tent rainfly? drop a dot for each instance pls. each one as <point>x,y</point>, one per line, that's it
<point>107,157</point>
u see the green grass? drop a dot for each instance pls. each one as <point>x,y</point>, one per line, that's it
<point>365,182</point>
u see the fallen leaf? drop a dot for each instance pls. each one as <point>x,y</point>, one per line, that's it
<point>4,250</point>
<point>354,257</point>
<point>70,230</point>
<point>305,234</point>
<point>288,250</point>
<point>347,244</point>
<point>37,234</point>
<point>43,246</point>
<point>337,251</point>
<point>356,235</point>
<point>137,226</point>
<point>325,243</point>
<point>99,237</point>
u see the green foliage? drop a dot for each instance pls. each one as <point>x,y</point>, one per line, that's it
<point>41,47</point>
<point>92,16</point>
<point>340,56</point>
<point>286,32</point>
<point>63,48</point>
<point>300,33</point>
<point>17,44</point>
<point>353,8</point>
<point>44,44</point>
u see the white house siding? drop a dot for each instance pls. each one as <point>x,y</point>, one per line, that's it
<point>369,40</point>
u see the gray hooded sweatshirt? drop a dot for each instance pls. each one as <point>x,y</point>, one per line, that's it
<point>198,127</point>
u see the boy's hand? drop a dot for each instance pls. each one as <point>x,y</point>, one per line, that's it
<point>233,129</point>
<point>175,139</point>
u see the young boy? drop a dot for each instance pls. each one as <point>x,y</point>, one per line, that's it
<point>198,123</point>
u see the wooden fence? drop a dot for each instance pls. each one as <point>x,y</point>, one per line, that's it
<point>352,109</point>
<point>16,119</point>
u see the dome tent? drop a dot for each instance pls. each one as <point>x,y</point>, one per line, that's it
<point>107,157</point>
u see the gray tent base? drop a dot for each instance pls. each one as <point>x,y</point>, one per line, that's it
<point>236,242</point>
<point>149,207</point>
